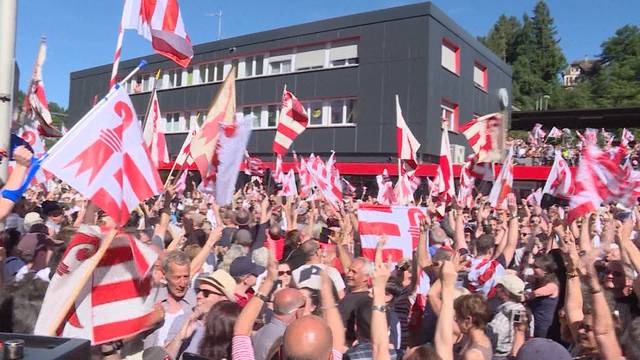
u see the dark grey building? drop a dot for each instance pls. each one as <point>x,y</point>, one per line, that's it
<point>346,70</point>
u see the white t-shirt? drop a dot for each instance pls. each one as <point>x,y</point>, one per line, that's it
<point>309,276</point>
<point>164,330</point>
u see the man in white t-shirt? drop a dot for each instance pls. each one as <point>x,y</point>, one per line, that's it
<point>308,275</point>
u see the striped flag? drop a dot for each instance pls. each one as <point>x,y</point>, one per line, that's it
<point>184,156</point>
<point>160,21</point>
<point>292,122</point>
<point>484,136</point>
<point>554,133</point>
<point>401,224</point>
<point>289,187</point>
<point>278,174</point>
<point>35,103</point>
<point>467,184</point>
<point>407,144</point>
<point>503,184</point>
<point>560,181</point>
<point>112,305</point>
<point>153,133</point>
<point>305,177</point>
<point>483,275</point>
<point>445,187</point>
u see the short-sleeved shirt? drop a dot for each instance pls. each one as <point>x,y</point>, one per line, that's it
<point>309,276</point>
<point>161,295</point>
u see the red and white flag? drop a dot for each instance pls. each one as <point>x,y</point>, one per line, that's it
<point>599,179</point>
<point>483,275</point>
<point>160,21</point>
<point>289,187</point>
<point>153,133</point>
<point>184,156</point>
<point>538,133</point>
<point>560,181</point>
<point>467,184</point>
<point>253,166</point>
<point>181,184</point>
<point>401,224</point>
<point>627,137</point>
<point>35,103</point>
<point>407,144</point>
<point>607,137</point>
<point>386,194</point>
<point>535,198</point>
<point>32,137</point>
<point>232,146</point>
<point>204,145</point>
<point>292,122</point>
<point>305,177</point>
<point>406,186</point>
<point>445,187</point>
<point>503,184</point>
<point>112,304</point>
<point>104,158</point>
<point>554,133</point>
<point>326,178</point>
<point>278,174</point>
<point>484,136</point>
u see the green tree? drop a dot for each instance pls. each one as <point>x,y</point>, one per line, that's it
<point>618,81</point>
<point>502,37</point>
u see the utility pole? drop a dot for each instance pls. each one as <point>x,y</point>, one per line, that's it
<point>219,15</point>
<point>7,74</point>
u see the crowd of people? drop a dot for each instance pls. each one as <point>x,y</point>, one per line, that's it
<point>269,277</point>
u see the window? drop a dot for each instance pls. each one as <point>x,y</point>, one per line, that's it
<point>175,78</point>
<point>450,114</point>
<point>480,76</point>
<point>451,57</point>
<point>235,63</point>
<point>248,66</point>
<point>350,111</point>
<point>172,122</point>
<point>280,67</point>
<point>189,79</point>
<point>337,111</point>
<point>314,110</point>
<point>259,65</point>
<point>273,112</point>
<point>342,54</point>
<point>310,58</point>
<point>219,67</point>
<point>257,112</point>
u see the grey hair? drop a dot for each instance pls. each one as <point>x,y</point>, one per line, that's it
<point>260,256</point>
<point>174,257</point>
<point>368,265</point>
<point>234,251</point>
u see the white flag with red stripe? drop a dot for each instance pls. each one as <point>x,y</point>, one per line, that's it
<point>292,122</point>
<point>289,187</point>
<point>560,180</point>
<point>503,184</point>
<point>406,186</point>
<point>386,195</point>
<point>483,275</point>
<point>184,156</point>
<point>160,21</point>
<point>153,133</point>
<point>446,189</point>
<point>305,177</point>
<point>467,184</point>
<point>35,103</point>
<point>112,305</point>
<point>104,158</point>
<point>278,174</point>
<point>484,136</point>
<point>326,178</point>
<point>181,184</point>
<point>401,224</point>
<point>407,144</point>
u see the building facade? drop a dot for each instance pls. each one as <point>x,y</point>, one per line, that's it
<point>345,70</point>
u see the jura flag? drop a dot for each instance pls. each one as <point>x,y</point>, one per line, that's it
<point>407,144</point>
<point>446,190</point>
<point>153,133</point>
<point>503,184</point>
<point>560,181</point>
<point>185,150</point>
<point>104,158</point>
<point>292,122</point>
<point>232,147</point>
<point>485,137</point>
<point>160,22</point>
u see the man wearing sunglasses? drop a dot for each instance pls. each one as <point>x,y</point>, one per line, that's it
<point>189,331</point>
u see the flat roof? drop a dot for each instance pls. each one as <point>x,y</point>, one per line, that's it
<point>337,23</point>
<point>577,118</point>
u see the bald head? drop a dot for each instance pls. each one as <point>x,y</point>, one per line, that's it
<point>308,338</point>
<point>287,300</point>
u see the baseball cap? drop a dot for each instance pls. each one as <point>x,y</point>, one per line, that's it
<point>512,283</point>
<point>242,265</point>
<point>220,280</point>
<point>541,348</point>
<point>31,219</point>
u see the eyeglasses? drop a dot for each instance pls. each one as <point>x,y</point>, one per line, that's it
<point>284,272</point>
<point>207,293</point>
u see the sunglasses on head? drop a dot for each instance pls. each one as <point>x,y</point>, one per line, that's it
<point>207,293</point>
<point>284,272</point>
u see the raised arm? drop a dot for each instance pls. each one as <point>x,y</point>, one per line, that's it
<point>444,327</point>
<point>246,319</point>
<point>379,326</point>
<point>512,231</point>
<point>14,187</point>
<point>460,241</point>
<point>165,213</point>
<point>331,313</point>
<point>201,257</point>
<point>422,254</point>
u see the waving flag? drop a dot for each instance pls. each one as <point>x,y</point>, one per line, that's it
<point>326,178</point>
<point>467,184</point>
<point>406,186</point>
<point>305,177</point>
<point>485,136</point>
<point>292,122</point>
<point>289,184</point>
<point>181,184</point>
<point>503,184</point>
<point>560,181</point>
<point>232,147</point>
<point>112,305</point>
<point>445,190</point>
<point>627,137</point>
<point>184,156</point>
<point>221,115</point>
<point>278,174</point>
<point>253,166</point>
<point>554,133</point>
<point>386,195</point>
<point>35,100</point>
<point>160,21</point>
<point>401,224</point>
<point>153,133</point>
<point>104,158</point>
<point>32,137</point>
<point>407,144</point>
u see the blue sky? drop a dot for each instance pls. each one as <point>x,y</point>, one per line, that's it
<point>82,33</point>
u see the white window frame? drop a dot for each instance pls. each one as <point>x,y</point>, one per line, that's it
<point>455,67</point>
<point>483,85</point>
<point>444,109</point>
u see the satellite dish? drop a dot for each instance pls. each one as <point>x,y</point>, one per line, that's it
<point>503,96</point>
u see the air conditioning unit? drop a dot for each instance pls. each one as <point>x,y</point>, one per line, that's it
<point>456,154</point>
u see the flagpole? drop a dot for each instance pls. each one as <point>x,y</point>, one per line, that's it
<point>75,292</point>
<point>8,20</point>
<point>146,114</point>
<point>116,55</point>
<point>170,172</point>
